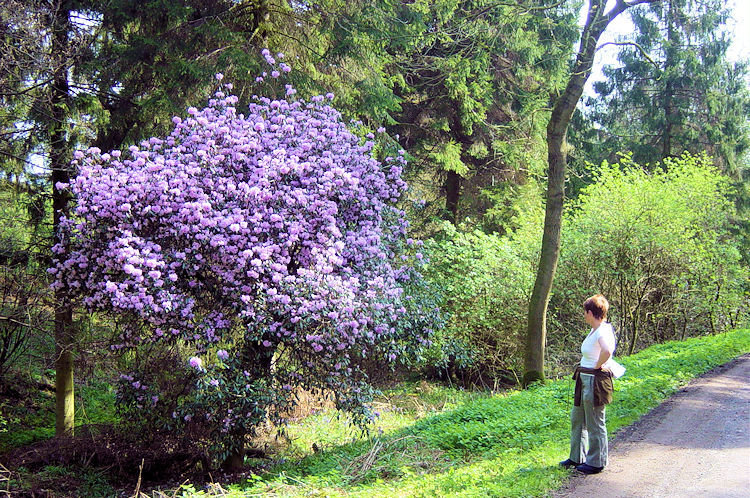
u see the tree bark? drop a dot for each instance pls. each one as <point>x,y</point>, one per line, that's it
<point>670,112</point>
<point>596,22</point>
<point>60,165</point>
<point>634,325</point>
<point>452,194</point>
<point>258,360</point>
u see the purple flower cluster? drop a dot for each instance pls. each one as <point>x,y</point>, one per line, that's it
<point>136,392</point>
<point>272,62</point>
<point>278,220</point>
<point>269,235</point>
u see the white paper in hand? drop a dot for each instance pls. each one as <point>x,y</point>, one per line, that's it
<point>614,367</point>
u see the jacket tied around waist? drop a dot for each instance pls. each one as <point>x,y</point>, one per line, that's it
<point>603,385</point>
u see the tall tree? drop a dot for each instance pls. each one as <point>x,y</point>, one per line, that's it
<point>35,87</point>
<point>461,83</point>
<point>597,21</point>
<point>59,156</point>
<point>683,95</point>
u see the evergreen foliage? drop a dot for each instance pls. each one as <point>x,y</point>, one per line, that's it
<point>463,85</point>
<point>673,90</point>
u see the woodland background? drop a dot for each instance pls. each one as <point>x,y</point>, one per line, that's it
<point>657,200</point>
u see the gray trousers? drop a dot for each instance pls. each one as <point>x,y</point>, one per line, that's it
<point>588,432</point>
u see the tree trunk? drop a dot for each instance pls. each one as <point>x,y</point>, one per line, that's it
<point>596,22</point>
<point>60,165</point>
<point>684,325</point>
<point>258,361</point>
<point>452,194</point>
<point>670,112</point>
<point>64,390</point>
<point>634,335</point>
<point>235,461</point>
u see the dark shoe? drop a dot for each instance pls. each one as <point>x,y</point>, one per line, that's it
<point>588,469</point>
<point>568,463</point>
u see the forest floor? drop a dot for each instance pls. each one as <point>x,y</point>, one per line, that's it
<point>695,444</point>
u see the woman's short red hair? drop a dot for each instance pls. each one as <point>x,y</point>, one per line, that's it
<point>597,305</point>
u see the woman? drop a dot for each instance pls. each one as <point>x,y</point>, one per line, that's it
<point>588,432</point>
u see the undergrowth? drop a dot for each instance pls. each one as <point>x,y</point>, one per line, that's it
<point>428,441</point>
<point>32,418</point>
<point>502,445</point>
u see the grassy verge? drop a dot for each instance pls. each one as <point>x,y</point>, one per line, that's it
<point>504,445</point>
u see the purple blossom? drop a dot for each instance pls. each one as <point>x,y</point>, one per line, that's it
<point>274,227</point>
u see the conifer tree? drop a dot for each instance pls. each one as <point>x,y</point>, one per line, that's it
<point>674,89</point>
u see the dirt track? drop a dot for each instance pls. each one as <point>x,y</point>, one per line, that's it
<point>696,444</point>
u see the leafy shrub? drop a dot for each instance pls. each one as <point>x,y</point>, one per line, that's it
<point>268,243</point>
<point>657,244</point>
<point>484,287</point>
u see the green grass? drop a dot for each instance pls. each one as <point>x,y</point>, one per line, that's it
<point>399,408</point>
<point>65,480</point>
<point>504,445</point>
<point>33,419</point>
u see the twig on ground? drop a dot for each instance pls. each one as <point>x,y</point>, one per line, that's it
<point>215,489</point>
<point>359,467</point>
<point>5,477</point>
<point>138,493</point>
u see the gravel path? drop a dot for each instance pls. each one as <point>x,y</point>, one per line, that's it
<point>695,444</point>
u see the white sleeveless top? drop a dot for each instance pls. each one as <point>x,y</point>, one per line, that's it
<point>592,345</point>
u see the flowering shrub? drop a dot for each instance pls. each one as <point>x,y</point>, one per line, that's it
<point>269,236</point>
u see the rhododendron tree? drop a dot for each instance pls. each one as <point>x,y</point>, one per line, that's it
<point>266,243</point>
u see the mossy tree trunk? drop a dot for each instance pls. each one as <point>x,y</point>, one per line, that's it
<point>60,156</point>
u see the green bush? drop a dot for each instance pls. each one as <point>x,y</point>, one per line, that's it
<point>484,286</point>
<point>658,245</point>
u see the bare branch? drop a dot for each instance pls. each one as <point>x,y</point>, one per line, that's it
<point>27,89</point>
<point>17,158</point>
<point>622,5</point>
<point>633,3</point>
<point>640,49</point>
<point>514,4</point>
